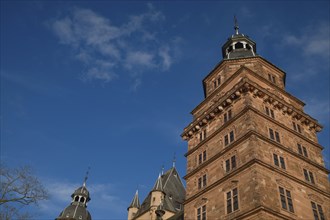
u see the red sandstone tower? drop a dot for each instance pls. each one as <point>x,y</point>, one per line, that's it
<point>252,151</point>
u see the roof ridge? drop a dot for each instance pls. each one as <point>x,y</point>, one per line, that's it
<point>169,176</point>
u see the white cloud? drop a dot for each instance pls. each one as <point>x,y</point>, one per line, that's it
<point>313,40</point>
<point>166,57</point>
<point>139,58</point>
<point>134,45</point>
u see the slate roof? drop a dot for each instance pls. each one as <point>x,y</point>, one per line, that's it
<point>173,189</point>
<point>135,202</point>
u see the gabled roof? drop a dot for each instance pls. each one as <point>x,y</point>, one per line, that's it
<point>173,189</point>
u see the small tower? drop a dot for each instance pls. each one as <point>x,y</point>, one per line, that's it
<point>134,207</point>
<point>157,193</point>
<point>77,210</point>
<point>238,45</point>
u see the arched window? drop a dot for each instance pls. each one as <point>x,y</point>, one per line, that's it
<point>82,199</point>
<point>230,49</point>
<point>76,199</point>
<point>248,46</point>
<point>238,45</point>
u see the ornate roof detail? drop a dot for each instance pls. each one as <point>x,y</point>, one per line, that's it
<point>173,194</point>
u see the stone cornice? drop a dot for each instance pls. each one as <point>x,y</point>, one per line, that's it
<point>231,78</point>
<point>249,165</point>
<point>245,137</point>
<point>267,210</point>
<point>243,86</point>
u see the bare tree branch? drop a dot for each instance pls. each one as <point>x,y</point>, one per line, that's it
<point>18,187</point>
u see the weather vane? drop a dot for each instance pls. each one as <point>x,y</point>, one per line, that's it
<point>86,176</point>
<point>236,27</point>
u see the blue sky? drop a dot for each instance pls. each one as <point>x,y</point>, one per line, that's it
<point>111,84</point>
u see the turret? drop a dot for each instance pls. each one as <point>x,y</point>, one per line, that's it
<point>134,207</point>
<point>238,45</point>
<point>77,210</point>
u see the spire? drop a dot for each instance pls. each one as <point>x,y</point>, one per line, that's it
<point>135,202</point>
<point>236,27</point>
<point>158,185</point>
<point>163,169</point>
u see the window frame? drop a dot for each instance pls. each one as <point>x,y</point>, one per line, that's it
<point>229,138</point>
<point>230,164</point>
<point>201,213</point>
<point>286,200</point>
<point>202,181</point>
<point>227,116</point>
<point>202,135</point>
<point>232,200</point>
<point>270,112</point>
<point>309,176</point>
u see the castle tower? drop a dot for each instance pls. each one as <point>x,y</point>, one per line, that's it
<point>134,207</point>
<point>77,210</point>
<point>252,152</point>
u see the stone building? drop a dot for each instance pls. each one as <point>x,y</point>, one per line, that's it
<point>252,152</point>
<point>164,201</point>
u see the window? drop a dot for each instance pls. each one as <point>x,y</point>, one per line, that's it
<point>230,164</point>
<point>229,138</point>
<point>279,161</point>
<point>317,211</point>
<point>201,213</point>
<point>309,176</point>
<point>286,199</point>
<point>302,150</point>
<point>202,181</point>
<point>232,200</point>
<point>271,78</point>
<point>296,127</point>
<point>270,112</point>
<point>274,135</point>
<point>227,116</point>
<point>216,82</point>
<point>202,157</point>
<point>202,135</point>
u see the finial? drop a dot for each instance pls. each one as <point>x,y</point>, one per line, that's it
<point>163,169</point>
<point>236,27</point>
<point>174,160</point>
<point>86,176</point>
